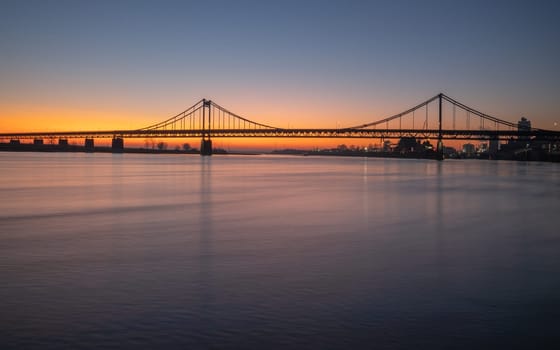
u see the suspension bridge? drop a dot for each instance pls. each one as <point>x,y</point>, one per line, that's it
<point>438,118</point>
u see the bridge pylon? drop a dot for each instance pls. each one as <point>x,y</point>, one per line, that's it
<point>439,148</point>
<point>206,142</point>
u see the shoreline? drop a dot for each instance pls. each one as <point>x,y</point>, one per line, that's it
<point>6,147</point>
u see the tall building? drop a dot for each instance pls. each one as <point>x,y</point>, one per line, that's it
<point>524,125</point>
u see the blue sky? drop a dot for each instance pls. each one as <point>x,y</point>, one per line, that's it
<point>298,62</point>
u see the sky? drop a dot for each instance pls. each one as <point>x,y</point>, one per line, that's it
<point>105,65</point>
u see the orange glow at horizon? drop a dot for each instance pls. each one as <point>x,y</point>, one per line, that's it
<point>38,119</point>
<point>19,118</point>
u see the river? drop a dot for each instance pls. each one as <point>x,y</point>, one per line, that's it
<point>259,252</point>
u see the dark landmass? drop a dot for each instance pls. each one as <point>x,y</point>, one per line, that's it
<point>411,155</point>
<point>530,154</point>
<point>28,147</point>
<point>506,153</point>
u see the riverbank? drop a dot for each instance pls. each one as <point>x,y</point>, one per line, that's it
<point>23,147</point>
<point>519,156</point>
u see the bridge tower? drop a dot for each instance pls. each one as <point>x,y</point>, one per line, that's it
<point>206,142</point>
<point>439,149</point>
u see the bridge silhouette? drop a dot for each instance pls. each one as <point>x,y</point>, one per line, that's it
<point>439,117</point>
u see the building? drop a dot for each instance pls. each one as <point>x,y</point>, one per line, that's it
<point>524,125</point>
<point>493,147</point>
<point>469,149</point>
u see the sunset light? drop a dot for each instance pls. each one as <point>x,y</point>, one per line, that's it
<point>310,174</point>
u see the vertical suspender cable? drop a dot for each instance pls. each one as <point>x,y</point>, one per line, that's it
<point>426,122</point>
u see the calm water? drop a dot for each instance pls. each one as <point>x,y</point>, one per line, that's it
<point>161,251</point>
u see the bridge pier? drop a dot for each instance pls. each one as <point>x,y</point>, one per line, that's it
<point>206,147</point>
<point>38,142</point>
<point>89,145</point>
<point>117,145</point>
<point>63,142</point>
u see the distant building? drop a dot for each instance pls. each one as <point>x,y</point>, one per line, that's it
<point>469,149</point>
<point>524,125</point>
<point>449,152</point>
<point>387,146</point>
<point>493,147</point>
<point>408,145</point>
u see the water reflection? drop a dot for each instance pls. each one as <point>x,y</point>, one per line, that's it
<point>205,309</point>
<point>441,262</point>
<point>365,194</point>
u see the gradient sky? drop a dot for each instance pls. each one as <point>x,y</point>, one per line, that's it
<point>126,64</point>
